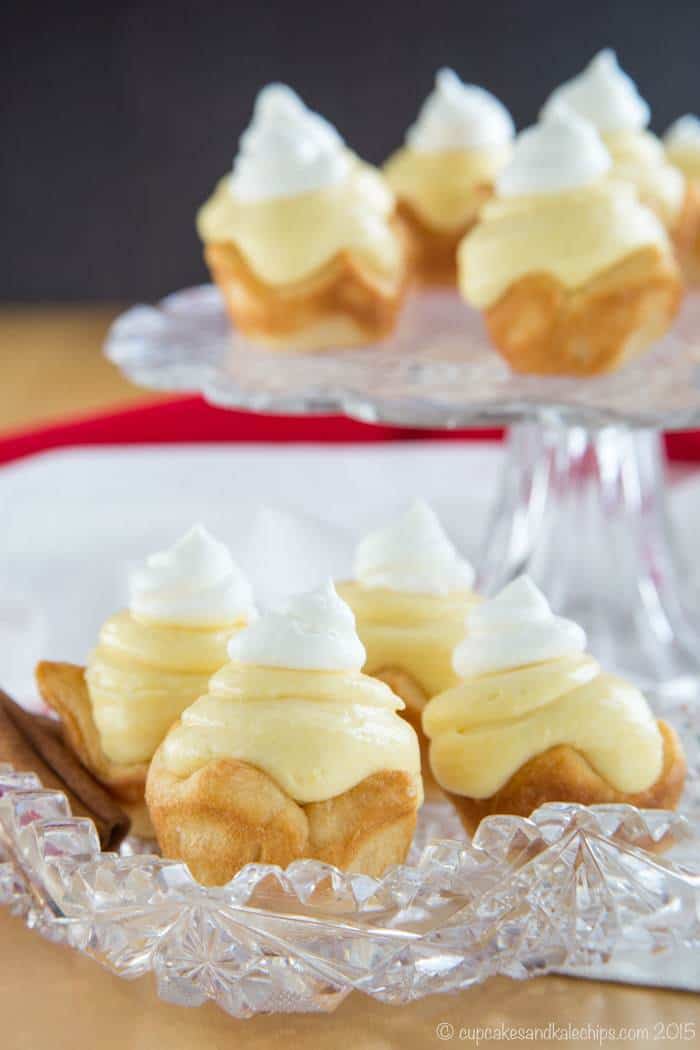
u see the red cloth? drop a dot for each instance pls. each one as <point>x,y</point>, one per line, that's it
<point>190,419</point>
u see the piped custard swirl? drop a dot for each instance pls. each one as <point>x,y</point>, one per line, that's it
<point>294,703</point>
<point>156,657</point>
<point>410,595</point>
<point>527,686</point>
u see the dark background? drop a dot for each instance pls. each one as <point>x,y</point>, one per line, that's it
<point>117,120</point>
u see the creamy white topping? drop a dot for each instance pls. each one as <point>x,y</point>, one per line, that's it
<point>194,583</point>
<point>456,115</point>
<point>603,94</point>
<point>412,554</point>
<point>560,153</point>
<point>515,628</point>
<point>316,631</point>
<point>287,149</point>
<point>684,133</point>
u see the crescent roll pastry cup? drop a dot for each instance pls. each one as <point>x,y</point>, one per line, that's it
<point>686,234</point>
<point>571,283</point>
<point>558,731</point>
<point>274,765</point>
<point>343,303</point>
<point>64,689</point>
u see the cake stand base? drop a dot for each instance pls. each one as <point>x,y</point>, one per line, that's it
<point>583,512</point>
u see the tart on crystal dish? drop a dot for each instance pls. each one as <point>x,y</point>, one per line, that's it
<point>410,595</point>
<point>446,169</point>
<point>152,661</point>
<point>292,752</point>
<point>302,237</point>
<point>682,143</point>
<point>608,97</point>
<point>574,275</point>
<point>534,719</point>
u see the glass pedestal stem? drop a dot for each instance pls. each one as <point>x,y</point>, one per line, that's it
<point>583,512</point>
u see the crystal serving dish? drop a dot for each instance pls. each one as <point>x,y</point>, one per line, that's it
<point>609,891</point>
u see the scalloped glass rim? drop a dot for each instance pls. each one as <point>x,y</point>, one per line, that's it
<point>437,369</point>
<point>585,890</point>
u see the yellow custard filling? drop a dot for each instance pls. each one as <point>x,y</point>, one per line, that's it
<point>573,236</point>
<point>142,675</point>
<point>285,239</point>
<point>416,633</point>
<point>440,187</point>
<point>686,158</point>
<point>316,733</point>
<point>483,730</point>
<point>638,158</point>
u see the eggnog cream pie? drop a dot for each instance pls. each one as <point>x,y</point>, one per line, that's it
<point>446,169</point>
<point>534,719</point>
<point>574,275</point>
<point>152,659</point>
<point>301,236</point>
<point>410,595</point>
<point>291,752</point>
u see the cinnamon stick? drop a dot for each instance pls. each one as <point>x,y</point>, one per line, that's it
<point>32,743</point>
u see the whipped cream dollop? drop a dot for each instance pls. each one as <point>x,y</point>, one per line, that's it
<point>194,583</point>
<point>457,116</point>
<point>412,554</point>
<point>513,629</point>
<point>604,94</point>
<point>287,150</point>
<point>315,631</point>
<point>684,133</point>
<point>560,153</point>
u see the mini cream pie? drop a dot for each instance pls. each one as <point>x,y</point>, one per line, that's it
<point>151,661</point>
<point>301,237</point>
<point>410,597</point>
<point>574,275</point>
<point>607,96</point>
<point>446,170</point>
<point>535,720</point>
<point>292,753</point>
<point>682,142</point>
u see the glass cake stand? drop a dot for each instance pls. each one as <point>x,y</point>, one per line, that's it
<point>582,495</point>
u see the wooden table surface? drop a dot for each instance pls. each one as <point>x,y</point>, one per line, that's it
<point>51,367</point>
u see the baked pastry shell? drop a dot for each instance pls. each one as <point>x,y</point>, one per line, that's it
<point>433,251</point>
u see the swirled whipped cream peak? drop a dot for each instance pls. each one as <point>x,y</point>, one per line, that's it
<point>684,133</point>
<point>315,631</point>
<point>560,153</point>
<point>194,583</point>
<point>287,150</point>
<point>604,94</point>
<point>514,629</point>
<point>412,554</point>
<point>458,116</point>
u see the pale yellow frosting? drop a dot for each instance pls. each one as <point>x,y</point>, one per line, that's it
<point>572,236</point>
<point>316,733</point>
<point>638,157</point>
<point>686,158</point>
<point>285,239</point>
<point>484,729</point>
<point>440,186</point>
<point>415,633</point>
<point>142,675</point>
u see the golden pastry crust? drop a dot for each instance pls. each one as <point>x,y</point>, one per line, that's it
<point>562,774</point>
<point>686,234</point>
<point>64,689</point>
<point>230,813</point>
<point>342,304</point>
<point>415,699</point>
<point>540,326</point>
<point>433,252</point>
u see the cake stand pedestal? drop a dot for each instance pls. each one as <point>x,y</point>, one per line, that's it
<point>582,497</point>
